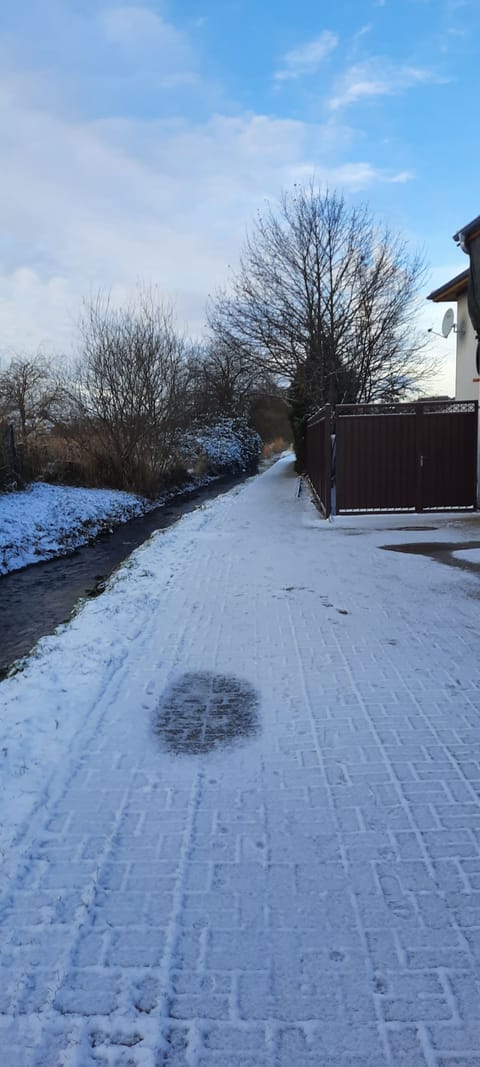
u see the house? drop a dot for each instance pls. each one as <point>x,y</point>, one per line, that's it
<point>456,291</point>
<point>467,381</point>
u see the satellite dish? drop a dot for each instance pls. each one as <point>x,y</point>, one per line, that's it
<point>447,322</point>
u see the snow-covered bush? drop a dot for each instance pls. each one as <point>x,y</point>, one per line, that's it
<point>227,446</point>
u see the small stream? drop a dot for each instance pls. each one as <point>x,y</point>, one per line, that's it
<point>35,600</point>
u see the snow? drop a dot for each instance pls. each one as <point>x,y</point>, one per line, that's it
<point>468,555</point>
<point>227,444</point>
<point>240,816</point>
<point>44,520</point>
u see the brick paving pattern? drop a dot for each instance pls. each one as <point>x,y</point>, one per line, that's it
<point>308,895</point>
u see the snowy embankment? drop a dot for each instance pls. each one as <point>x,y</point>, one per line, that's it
<point>45,521</point>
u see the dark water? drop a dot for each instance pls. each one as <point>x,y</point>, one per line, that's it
<point>442,552</point>
<point>35,600</point>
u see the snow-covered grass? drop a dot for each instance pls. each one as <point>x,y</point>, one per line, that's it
<point>45,520</point>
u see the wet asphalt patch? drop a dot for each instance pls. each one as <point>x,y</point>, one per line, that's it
<point>201,712</point>
<point>444,552</point>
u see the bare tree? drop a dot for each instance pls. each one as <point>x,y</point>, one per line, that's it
<point>131,387</point>
<point>31,395</point>
<point>224,380</point>
<point>324,299</point>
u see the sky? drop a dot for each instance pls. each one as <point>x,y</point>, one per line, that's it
<point>139,140</point>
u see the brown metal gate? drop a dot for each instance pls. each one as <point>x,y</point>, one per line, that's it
<point>406,457</point>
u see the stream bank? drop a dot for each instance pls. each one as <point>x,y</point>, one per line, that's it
<point>37,599</point>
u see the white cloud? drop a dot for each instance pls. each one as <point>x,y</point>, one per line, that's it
<point>307,58</point>
<point>362,32</point>
<point>37,313</point>
<point>132,27</point>
<point>402,177</point>
<point>358,176</point>
<point>88,205</point>
<point>143,37</point>
<point>375,77</point>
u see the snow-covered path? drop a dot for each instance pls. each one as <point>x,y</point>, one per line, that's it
<point>306,893</point>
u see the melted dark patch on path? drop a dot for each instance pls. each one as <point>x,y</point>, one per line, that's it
<point>441,552</point>
<point>202,711</point>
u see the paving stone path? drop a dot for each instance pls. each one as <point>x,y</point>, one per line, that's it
<point>300,888</point>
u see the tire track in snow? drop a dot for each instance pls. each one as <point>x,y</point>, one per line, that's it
<point>60,779</point>
<point>57,789</point>
<point>174,928</point>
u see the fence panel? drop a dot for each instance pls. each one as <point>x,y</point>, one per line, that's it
<point>447,456</point>
<point>406,457</point>
<point>375,461</point>
<point>318,463</point>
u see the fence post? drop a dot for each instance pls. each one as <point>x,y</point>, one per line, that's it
<point>420,458</point>
<point>15,458</point>
<point>328,461</point>
<point>476,476</point>
<point>11,446</point>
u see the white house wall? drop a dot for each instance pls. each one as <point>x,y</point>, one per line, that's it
<point>466,388</point>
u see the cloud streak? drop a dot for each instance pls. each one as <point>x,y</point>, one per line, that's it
<point>307,58</point>
<point>377,78</point>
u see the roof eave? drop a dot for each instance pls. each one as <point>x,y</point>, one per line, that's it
<point>450,290</point>
<point>465,234</point>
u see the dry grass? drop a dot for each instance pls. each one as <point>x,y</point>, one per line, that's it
<point>273,448</point>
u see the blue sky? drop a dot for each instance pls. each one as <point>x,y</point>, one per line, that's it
<point>139,139</point>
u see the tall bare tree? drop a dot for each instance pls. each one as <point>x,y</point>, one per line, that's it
<point>324,297</point>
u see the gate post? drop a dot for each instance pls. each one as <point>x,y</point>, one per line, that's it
<point>327,429</point>
<point>476,476</point>
<point>419,455</point>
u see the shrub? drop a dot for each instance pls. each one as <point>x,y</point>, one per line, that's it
<point>228,446</point>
